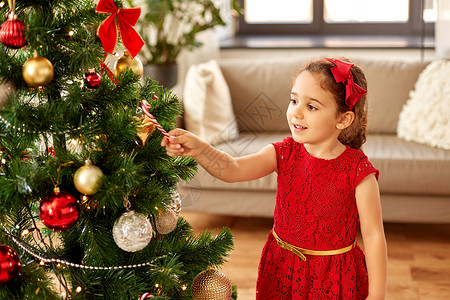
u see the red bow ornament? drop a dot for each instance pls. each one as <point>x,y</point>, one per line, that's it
<point>109,30</point>
<point>341,73</point>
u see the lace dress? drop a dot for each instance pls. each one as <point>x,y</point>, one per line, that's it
<point>315,209</point>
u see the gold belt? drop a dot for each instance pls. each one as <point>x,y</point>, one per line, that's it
<point>301,251</point>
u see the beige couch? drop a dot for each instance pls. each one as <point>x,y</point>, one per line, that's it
<point>414,178</point>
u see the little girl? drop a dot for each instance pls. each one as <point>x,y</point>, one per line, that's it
<point>326,190</point>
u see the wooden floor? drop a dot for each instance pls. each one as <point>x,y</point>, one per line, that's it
<point>418,267</point>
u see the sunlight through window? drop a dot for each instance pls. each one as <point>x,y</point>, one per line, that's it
<point>355,11</point>
<point>283,11</point>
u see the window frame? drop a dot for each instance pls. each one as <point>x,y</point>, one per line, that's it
<point>413,27</point>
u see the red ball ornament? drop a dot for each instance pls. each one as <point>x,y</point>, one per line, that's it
<point>92,79</point>
<point>59,210</point>
<point>9,264</point>
<point>12,33</point>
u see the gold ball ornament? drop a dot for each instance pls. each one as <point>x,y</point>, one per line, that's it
<point>37,71</point>
<point>166,221</point>
<point>211,285</point>
<point>128,62</point>
<point>87,179</point>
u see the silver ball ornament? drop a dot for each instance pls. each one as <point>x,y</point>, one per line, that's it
<point>132,231</point>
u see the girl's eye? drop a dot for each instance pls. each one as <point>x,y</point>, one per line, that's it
<point>294,101</point>
<point>311,107</point>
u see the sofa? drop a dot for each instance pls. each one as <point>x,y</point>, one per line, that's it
<point>414,177</point>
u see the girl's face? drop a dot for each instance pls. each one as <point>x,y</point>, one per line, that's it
<point>312,113</point>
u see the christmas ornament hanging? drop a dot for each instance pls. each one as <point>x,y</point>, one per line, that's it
<point>87,179</point>
<point>9,264</point>
<point>37,71</point>
<point>145,129</point>
<point>126,61</point>
<point>166,221</point>
<point>211,285</point>
<point>92,79</point>
<point>12,32</point>
<point>145,296</point>
<point>132,231</point>
<point>59,210</point>
<point>175,203</point>
<point>109,29</point>
<point>7,90</point>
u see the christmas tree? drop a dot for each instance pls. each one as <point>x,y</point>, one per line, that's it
<point>88,201</point>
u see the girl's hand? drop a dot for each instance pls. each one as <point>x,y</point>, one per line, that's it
<point>183,143</point>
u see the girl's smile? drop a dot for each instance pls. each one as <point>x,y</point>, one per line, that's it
<point>298,127</point>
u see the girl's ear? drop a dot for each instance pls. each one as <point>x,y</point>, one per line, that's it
<point>346,119</point>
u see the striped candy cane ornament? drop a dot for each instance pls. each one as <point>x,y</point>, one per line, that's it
<point>145,108</point>
<point>145,296</point>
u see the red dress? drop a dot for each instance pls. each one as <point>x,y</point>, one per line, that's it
<point>315,209</point>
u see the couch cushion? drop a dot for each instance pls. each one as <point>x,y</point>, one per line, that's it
<point>388,87</point>
<point>425,118</point>
<point>260,90</point>
<point>207,104</point>
<point>409,168</point>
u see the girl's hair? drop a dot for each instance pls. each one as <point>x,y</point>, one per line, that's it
<point>355,134</point>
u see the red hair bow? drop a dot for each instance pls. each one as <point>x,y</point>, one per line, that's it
<point>341,73</point>
<point>109,31</point>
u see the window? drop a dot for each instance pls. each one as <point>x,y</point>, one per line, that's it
<point>286,11</point>
<point>352,17</point>
<point>351,11</point>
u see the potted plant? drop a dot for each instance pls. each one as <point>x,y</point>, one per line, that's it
<point>170,26</point>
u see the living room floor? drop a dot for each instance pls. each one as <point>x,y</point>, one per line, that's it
<point>418,266</point>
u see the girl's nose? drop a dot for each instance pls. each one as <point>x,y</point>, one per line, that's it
<point>298,112</point>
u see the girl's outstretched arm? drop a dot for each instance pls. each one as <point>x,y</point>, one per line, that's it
<point>369,209</point>
<point>220,164</point>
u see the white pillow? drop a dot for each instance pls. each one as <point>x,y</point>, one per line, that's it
<point>208,110</point>
<point>425,118</point>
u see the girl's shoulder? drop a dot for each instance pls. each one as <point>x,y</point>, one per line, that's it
<point>355,153</point>
<point>286,145</point>
<point>287,142</point>
<point>361,164</point>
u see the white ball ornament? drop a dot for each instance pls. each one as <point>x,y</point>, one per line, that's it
<point>132,231</point>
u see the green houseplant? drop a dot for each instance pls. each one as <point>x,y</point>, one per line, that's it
<point>170,26</point>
